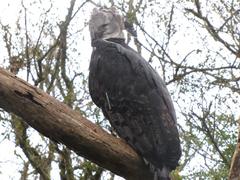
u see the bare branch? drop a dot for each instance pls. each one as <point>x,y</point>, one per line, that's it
<point>214,32</point>
<point>27,41</point>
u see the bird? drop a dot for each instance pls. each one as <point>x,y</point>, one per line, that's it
<point>131,94</point>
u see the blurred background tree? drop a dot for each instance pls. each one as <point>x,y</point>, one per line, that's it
<point>194,45</point>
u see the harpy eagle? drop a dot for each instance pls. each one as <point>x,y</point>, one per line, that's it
<point>132,95</point>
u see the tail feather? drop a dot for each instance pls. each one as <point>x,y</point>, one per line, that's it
<point>159,173</point>
<point>162,174</point>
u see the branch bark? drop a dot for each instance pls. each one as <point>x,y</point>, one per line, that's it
<point>61,124</point>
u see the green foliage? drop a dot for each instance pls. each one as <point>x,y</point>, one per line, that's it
<point>90,171</point>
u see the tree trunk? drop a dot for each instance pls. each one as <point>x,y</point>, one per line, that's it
<point>61,124</point>
<point>234,173</point>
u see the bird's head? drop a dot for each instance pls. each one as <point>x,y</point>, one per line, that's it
<point>106,23</point>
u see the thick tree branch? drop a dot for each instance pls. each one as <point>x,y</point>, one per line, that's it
<point>60,123</point>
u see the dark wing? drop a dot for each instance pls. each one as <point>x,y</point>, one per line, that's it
<point>135,100</point>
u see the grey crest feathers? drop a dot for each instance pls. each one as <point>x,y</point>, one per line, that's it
<point>106,23</point>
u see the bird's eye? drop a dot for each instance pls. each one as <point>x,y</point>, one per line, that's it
<point>103,26</point>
